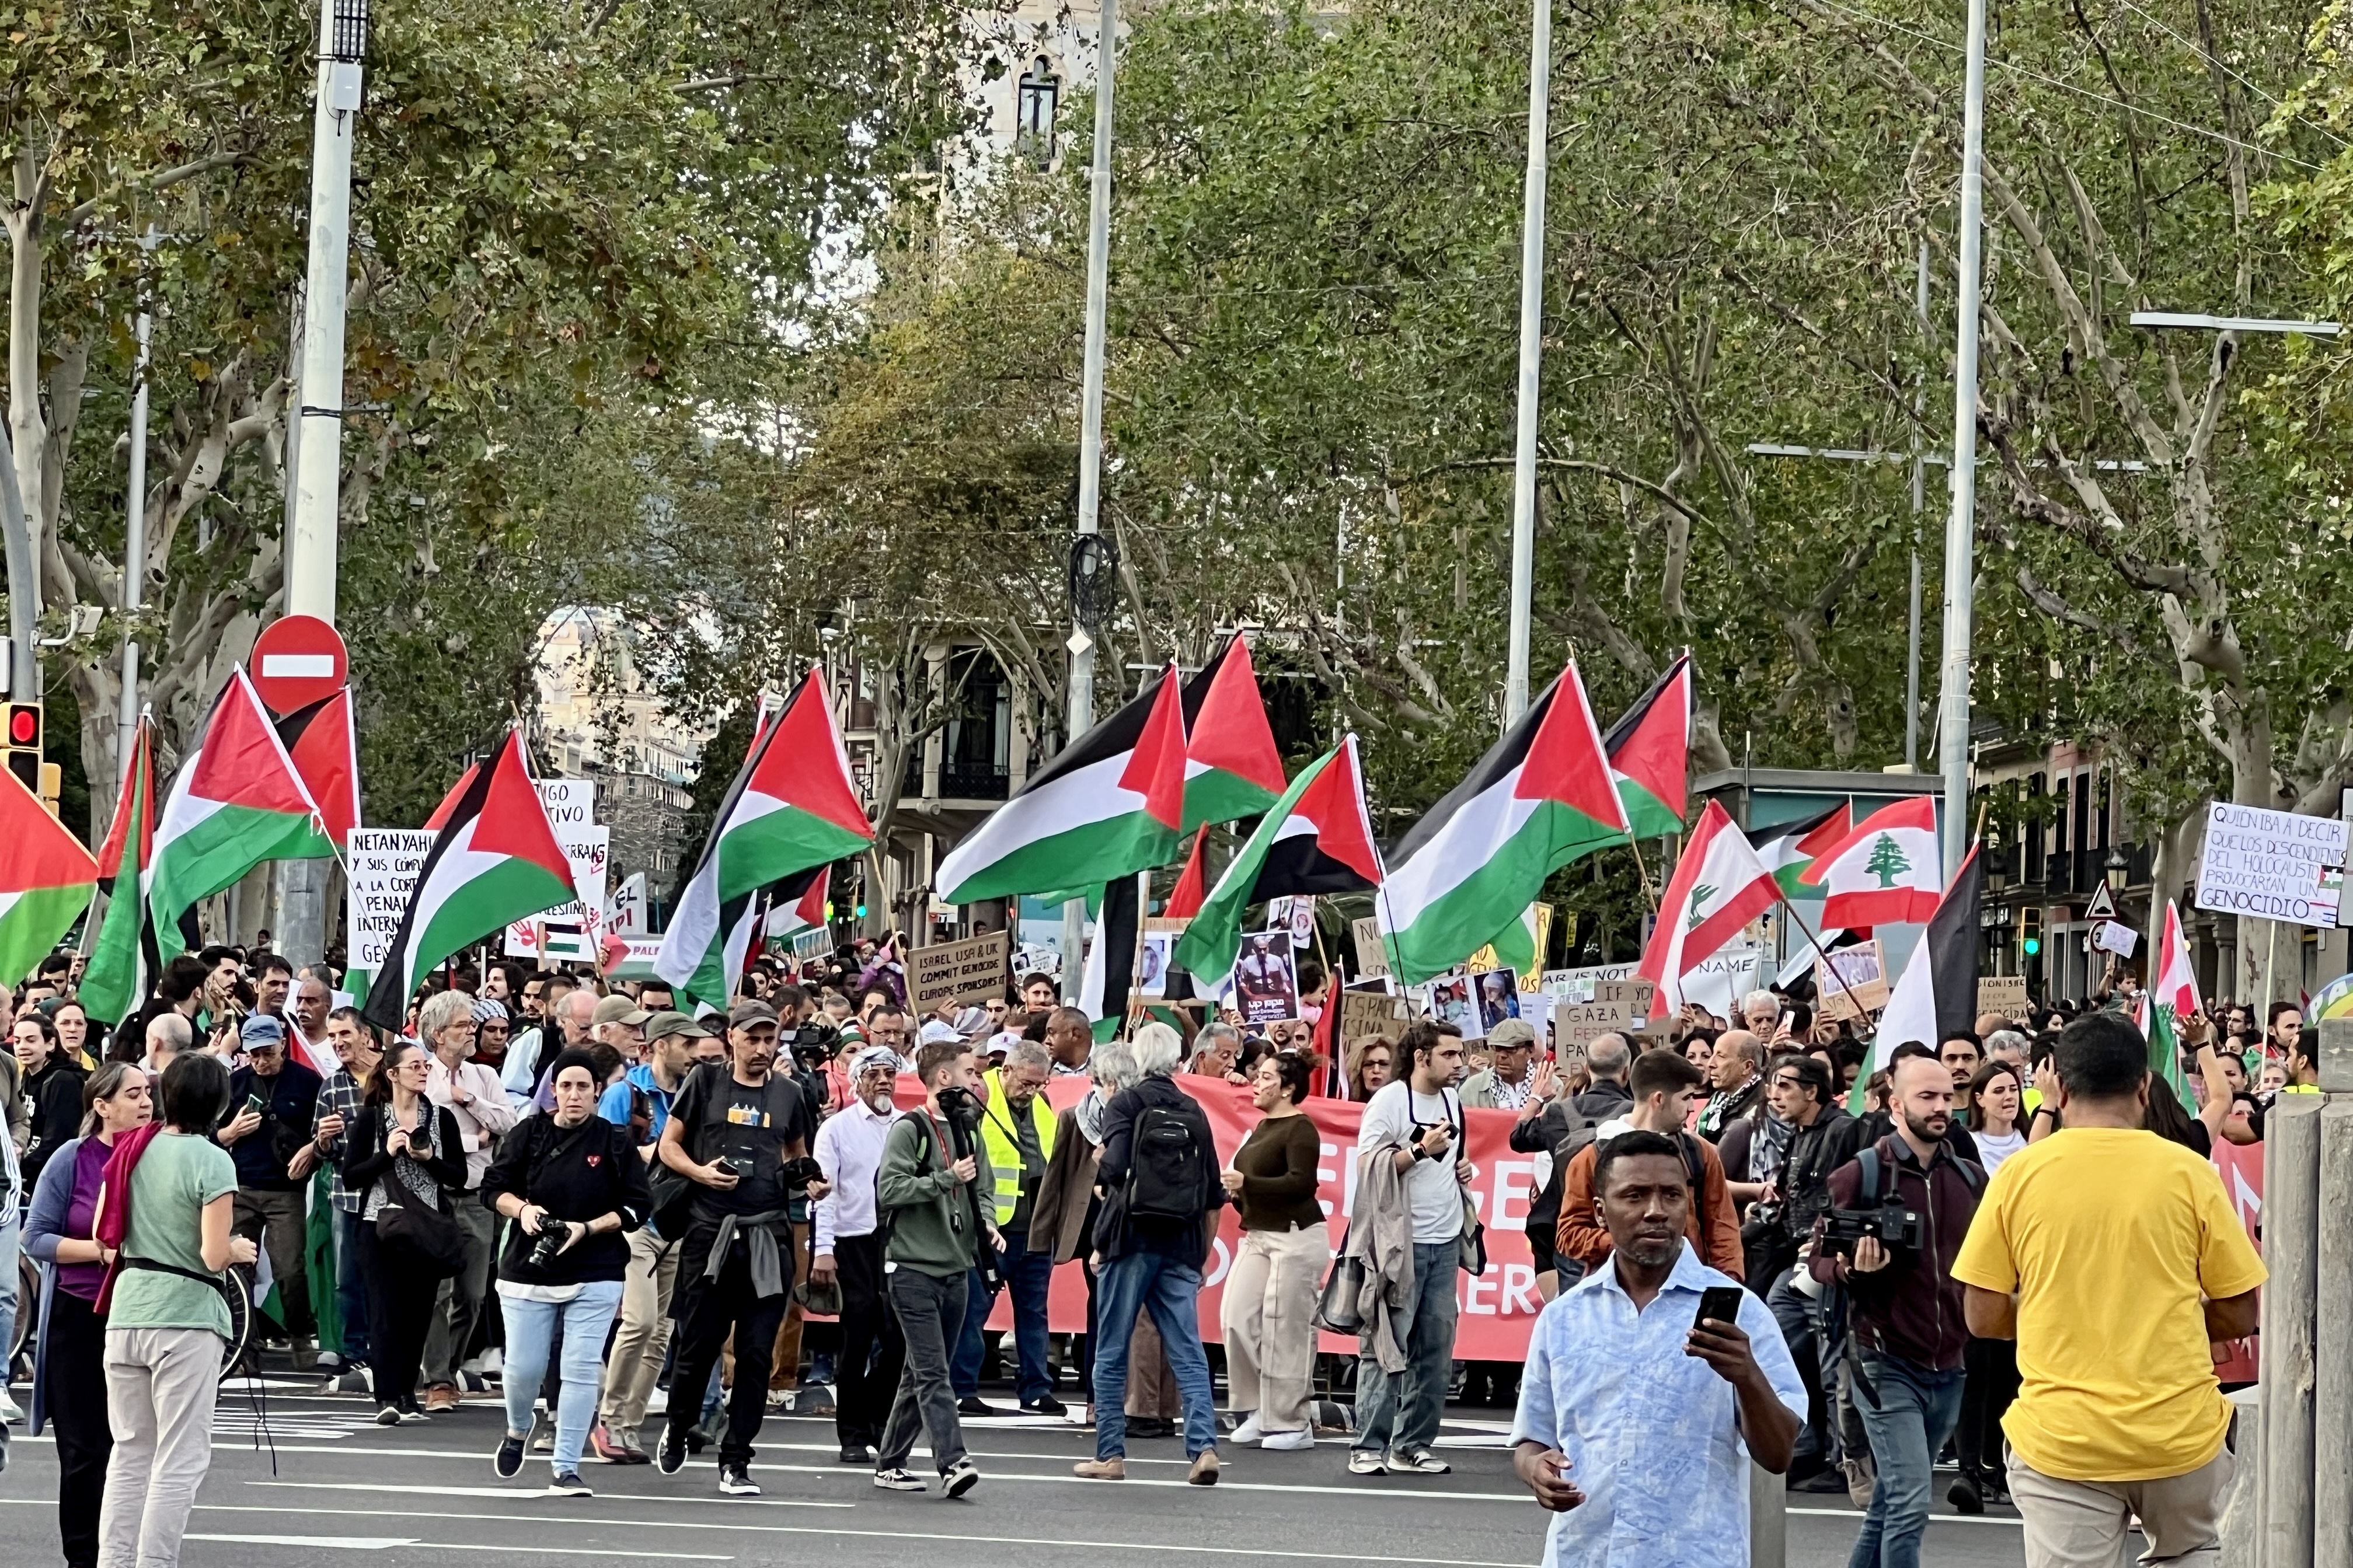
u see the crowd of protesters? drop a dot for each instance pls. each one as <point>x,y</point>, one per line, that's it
<point>564,1196</point>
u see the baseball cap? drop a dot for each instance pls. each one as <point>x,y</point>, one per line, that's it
<point>661,1026</point>
<point>934,1031</point>
<point>744,1015</point>
<point>260,1031</point>
<point>617,1010</point>
<point>1512,1032</point>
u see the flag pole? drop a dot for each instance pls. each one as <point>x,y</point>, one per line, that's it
<point>1823,963</point>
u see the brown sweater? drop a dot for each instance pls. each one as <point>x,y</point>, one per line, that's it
<point>1712,1226</point>
<point>1278,1165</point>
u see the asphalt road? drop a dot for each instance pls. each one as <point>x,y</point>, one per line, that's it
<point>342,1489</point>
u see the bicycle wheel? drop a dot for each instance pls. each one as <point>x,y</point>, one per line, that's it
<point>240,1321</point>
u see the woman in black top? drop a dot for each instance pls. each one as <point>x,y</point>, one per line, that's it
<point>401,1149</point>
<point>573,1185</point>
<point>53,1083</point>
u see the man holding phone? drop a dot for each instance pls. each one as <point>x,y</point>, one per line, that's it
<point>1650,1384</point>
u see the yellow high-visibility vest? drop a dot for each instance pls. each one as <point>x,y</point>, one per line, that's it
<point>1000,1137</point>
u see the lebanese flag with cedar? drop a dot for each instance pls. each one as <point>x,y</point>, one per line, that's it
<point>1885,872</point>
<point>1718,887</point>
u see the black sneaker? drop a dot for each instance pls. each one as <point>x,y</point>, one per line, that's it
<point>857,1454</point>
<point>972,1405</point>
<point>1965,1495</point>
<point>898,1480</point>
<point>670,1454</point>
<point>567,1483</point>
<point>507,1463</point>
<point>735,1480</point>
<point>387,1414</point>
<point>961,1478</point>
<point>1046,1404</point>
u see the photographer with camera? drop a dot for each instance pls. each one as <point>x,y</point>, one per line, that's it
<point>572,1183</point>
<point>1899,1210</point>
<point>739,1134</point>
<point>926,1195</point>
<point>641,1105</point>
<point>1822,1137</point>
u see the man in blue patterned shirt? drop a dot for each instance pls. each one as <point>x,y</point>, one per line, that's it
<point>1635,1427</point>
<point>354,1045</point>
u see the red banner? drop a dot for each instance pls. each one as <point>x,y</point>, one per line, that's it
<point>2241,1167</point>
<point>1498,1307</point>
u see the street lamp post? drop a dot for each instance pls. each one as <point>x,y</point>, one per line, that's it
<point>311,549</point>
<point>1961,527</point>
<point>1524,464</point>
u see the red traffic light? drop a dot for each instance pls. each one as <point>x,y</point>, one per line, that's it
<point>24,724</point>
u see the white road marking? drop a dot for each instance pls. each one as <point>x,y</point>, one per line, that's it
<point>607,1521</point>
<point>321,1542</point>
<point>1933,1519</point>
<point>519,1493</point>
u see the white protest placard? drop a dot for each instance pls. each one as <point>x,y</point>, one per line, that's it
<point>1577,985</point>
<point>384,863</point>
<point>573,931</point>
<point>2275,865</point>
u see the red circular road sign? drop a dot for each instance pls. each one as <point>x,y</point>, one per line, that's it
<point>298,660</point>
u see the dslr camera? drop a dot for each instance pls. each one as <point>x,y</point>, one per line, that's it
<point>1893,1225</point>
<point>798,1174</point>
<point>553,1234</point>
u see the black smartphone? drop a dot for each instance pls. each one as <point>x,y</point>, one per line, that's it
<point>1721,1302</point>
<point>723,1166</point>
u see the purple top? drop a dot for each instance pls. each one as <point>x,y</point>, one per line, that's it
<point>83,1279</point>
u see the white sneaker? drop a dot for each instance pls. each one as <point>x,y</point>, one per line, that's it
<point>9,1414</point>
<point>1366,1462</point>
<point>1289,1442</point>
<point>1249,1430</point>
<point>1079,1415</point>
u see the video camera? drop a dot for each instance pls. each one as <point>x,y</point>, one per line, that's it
<point>814,1043</point>
<point>1892,1225</point>
<point>798,1174</point>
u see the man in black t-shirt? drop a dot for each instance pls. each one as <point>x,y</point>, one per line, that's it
<point>731,1130</point>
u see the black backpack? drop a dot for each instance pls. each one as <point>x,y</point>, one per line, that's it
<point>1170,1161</point>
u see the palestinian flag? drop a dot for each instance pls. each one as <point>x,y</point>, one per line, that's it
<point>124,963</point>
<point>1317,839</point>
<point>1650,753</point>
<point>1184,898</point>
<point>324,744</point>
<point>1232,767</point>
<point>1884,872</point>
<point>791,809</point>
<point>1938,991</point>
<point>1109,980</point>
<point>2173,998</point>
<point>494,861</point>
<point>1111,804</point>
<point>798,902</point>
<point>236,801</point>
<point>46,880</point>
<point>1789,848</point>
<point>1540,799</point>
<point>441,817</point>
<point>1718,887</point>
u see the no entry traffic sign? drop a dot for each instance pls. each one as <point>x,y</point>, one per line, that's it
<point>298,660</point>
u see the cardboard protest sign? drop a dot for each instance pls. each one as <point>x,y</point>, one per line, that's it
<point>1364,1014</point>
<point>1616,1006</point>
<point>2004,994</point>
<point>1854,983</point>
<point>966,972</point>
<point>1372,958</point>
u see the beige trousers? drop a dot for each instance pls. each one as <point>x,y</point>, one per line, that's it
<point>2086,1524</point>
<point>644,1333</point>
<point>1268,1316</point>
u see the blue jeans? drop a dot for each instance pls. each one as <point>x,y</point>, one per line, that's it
<point>1029,1273</point>
<point>1908,1411</point>
<point>1801,1317</point>
<point>11,1239</point>
<point>1402,1411</point>
<point>351,1290</point>
<point>1171,1292</point>
<point>531,1334</point>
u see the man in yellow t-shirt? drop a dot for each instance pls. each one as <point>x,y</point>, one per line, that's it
<point>2113,1258</point>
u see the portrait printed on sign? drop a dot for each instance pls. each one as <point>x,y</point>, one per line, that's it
<point>1497,992</point>
<point>1303,922</point>
<point>1152,963</point>
<point>1266,985</point>
<point>1451,1001</point>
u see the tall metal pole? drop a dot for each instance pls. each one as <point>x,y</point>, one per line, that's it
<point>1919,503</point>
<point>1091,399</point>
<point>24,601</point>
<point>1523,467</point>
<point>135,552</point>
<point>1959,529</point>
<point>311,549</point>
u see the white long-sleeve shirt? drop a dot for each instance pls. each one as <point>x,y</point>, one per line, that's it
<point>481,1122</point>
<point>850,1152</point>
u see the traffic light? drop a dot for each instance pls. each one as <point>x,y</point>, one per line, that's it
<point>2030,931</point>
<point>862,909</point>
<point>24,743</point>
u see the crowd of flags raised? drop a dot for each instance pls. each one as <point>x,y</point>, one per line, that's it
<point>1121,799</point>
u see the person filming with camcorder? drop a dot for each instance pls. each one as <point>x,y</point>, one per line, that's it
<point>1898,1212</point>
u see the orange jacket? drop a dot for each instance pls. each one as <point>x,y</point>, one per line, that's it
<point>1714,1227</point>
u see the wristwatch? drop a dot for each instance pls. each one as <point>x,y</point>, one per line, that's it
<point>1420,1151</point>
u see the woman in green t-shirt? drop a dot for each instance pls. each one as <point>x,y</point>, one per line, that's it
<point>166,1318</point>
